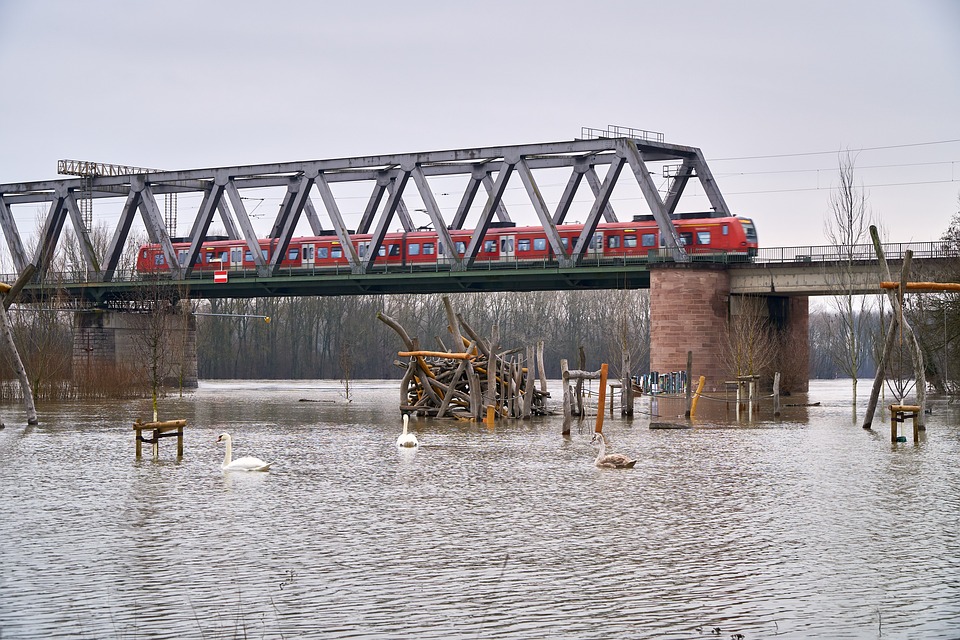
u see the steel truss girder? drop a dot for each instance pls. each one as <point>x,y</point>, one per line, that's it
<point>491,167</point>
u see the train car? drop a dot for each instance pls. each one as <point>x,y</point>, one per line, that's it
<point>733,237</point>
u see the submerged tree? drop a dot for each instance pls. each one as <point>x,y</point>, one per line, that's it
<point>848,230</point>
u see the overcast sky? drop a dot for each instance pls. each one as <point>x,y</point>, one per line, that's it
<point>770,91</point>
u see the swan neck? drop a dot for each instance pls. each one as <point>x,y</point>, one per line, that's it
<point>603,449</point>
<point>228,454</point>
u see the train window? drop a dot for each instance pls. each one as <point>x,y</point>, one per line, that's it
<point>565,242</point>
<point>158,259</point>
<point>394,249</point>
<point>489,246</point>
<point>294,254</point>
<point>144,254</point>
<point>322,253</point>
<point>461,248</point>
<point>703,237</point>
<point>336,252</point>
<point>686,239</point>
<point>649,240</point>
<point>613,242</point>
<point>630,239</point>
<point>749,230</point>
<point>523,244</point>
<point>539,244</point>
<point>182,257</point>
<point>596,241</point>
<point>413,249</point>
<point>382,251</point>
<point>223,257</point>
<point>265,253</point>
<point>726,229</point>
<point>428,248</point>
<point>248,257</point>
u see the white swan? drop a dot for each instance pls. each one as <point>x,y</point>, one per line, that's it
<point>246,463</point>
<point>407,439</point>
<point>610,460</point>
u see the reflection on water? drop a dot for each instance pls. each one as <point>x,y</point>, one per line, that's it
<point>800,527</point>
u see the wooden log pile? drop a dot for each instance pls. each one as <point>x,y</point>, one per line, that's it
<point>477,380</point>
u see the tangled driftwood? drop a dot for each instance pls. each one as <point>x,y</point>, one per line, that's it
<point>472,383</point>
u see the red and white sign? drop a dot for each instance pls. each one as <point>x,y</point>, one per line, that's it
<point>219,277</point>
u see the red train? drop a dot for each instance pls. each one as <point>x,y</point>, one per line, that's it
<point>733,236</point>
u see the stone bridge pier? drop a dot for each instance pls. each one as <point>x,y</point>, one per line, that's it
<point>691,309</point>
<point>121,347</point>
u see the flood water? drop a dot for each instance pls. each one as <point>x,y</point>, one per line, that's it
<point>801,527</point>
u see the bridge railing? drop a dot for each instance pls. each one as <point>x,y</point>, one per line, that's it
<point>857,252</point>
<point>769,255</point>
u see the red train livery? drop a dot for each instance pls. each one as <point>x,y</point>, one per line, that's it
<point>504,242</point>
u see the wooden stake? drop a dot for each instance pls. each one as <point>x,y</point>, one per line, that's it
<point>600,398</point>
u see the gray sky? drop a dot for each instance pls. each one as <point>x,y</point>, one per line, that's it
<point>770,91</point>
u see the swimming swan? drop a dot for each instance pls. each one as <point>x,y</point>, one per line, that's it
<point>407,439</point>
<point>246,463</point>
<point>610,460</point>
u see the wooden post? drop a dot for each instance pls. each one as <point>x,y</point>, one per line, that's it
<point>600,399</point>
<point>776,394</point>
<point>582,366</point>
<point>17,363</point>
<point>696,397</point>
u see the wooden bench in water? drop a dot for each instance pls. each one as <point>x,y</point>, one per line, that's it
<point>899,413</point>
<point>160,430</point>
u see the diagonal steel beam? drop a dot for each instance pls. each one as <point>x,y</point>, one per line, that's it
<point>50,234</point>
<point>343,233</point>
<point>599,205</point>
<point>311,212</point>
<point>502,214</point>
<point>395,199</point>
<point>156,229</point>
<point>208,207</point>
<point>227,218</point>
<point>677,186</point>
<point>469,195</point>
<point>668,232</point>
<point>533,191</point>
<point>297,205</point>
<point>433,210</point>
<point>379,189</point>
<point>12,235</point>
<point>492,205</point>
<point>709,185</point>
<point>249,234</point>
<point>115,250</point>
<point>594,182</point>
<point>83,235</point>
<point>576,176</point>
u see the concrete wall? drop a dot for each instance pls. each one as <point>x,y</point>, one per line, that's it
<point>117,341</point>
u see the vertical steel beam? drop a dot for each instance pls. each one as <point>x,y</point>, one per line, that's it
<point>405,220</point>
<point>249,234</point>
<point>343,233</point>
<point>12,235</point>
<point>599,205</point>
<point>668,232</point>
<point>227,218</point>
<point>536,198</point>
<point>433,210</point>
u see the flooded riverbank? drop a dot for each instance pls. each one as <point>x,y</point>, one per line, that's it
<point>799,527</point>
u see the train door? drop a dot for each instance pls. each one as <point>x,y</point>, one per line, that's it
<point>308,255</point>
<point>508,248</point>
<point>236,257</point>
<point>595,248</point>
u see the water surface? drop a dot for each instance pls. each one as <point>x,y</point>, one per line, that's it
<point>799,527</point>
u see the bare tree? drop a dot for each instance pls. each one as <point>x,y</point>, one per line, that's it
<point>848,230</point>
<point>749,345</point>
